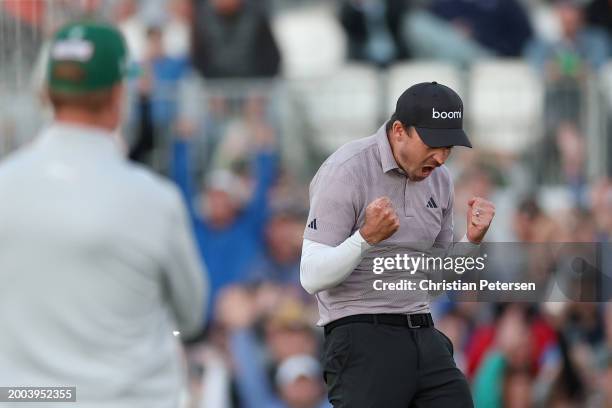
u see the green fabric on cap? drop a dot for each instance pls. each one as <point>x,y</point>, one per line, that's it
<point>86,56</point>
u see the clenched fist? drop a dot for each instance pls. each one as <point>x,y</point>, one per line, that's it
<point>381,221</point>
<point>479,216</point>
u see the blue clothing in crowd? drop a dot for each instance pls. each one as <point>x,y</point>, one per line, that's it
<point>167,72</point>
<point>228,252</point>
<point>501,26</point>
<point>266,269</point>
<point>254,389</point>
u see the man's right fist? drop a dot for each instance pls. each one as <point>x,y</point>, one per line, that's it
<point>381,221</point>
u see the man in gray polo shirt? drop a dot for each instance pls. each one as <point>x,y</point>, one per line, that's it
<point>392,188</point>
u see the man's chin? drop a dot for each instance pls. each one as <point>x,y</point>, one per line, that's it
<point>417,178</point>
<point>420,176</point>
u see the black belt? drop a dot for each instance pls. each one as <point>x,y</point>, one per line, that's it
<point>413,321</point>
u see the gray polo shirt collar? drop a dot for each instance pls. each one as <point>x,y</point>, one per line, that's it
<point>386,154</point>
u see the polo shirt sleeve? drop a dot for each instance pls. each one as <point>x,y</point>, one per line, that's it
<point>334,204</point>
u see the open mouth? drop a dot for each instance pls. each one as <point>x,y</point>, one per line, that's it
<point>426,170</point>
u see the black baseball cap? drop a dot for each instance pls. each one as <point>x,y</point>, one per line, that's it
<point>436,111</point>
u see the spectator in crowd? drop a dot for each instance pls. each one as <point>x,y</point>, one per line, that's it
<point>157,88</point>
<point>298,377</point>
<point>142,148</point>
<point>463,31</point>
<point>26,20</point>
<point>531,224</point>
<point>234,39</point>
<point>603,393</point>
<point>131,24</point>
<point>280,263</point>
<point>575,369</point>
<point>601,204</point>
<point>155,97</point>
<point>536,337</point>
<point>135,20</point>
<point>373,29</point>
<point>500,26</point>
<point>228,229</point>
<point>571,145</point>
<point>165,72</point>
<point>177,29</point>
<point>599,14</point>
<point>289,328</point>
<point>507,365</point>
<point>564,64</point>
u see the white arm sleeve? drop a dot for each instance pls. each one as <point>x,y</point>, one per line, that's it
<point>323,266</point>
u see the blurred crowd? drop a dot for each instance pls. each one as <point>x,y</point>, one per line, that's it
<point>207,109</point>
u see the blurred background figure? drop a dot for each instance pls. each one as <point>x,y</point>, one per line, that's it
<point>280,261</point>
<point>373,29</point>
<point>228,224</point>
<point>599,14</point>
<point>289,376</point>
<point>581,49</point>
<point>532,225</point>
<point>173,19</point>
<point>565,64</point>
<point>156,89</point>
<point>464,31</point>
<point>234,39</point>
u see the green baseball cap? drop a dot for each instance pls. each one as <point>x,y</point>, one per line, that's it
<point>86,56</point>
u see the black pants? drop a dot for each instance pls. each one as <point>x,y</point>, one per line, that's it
<point>369,365</point>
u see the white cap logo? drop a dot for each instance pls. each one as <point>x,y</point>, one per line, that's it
<point>77,50</point>
<point>445,115</point>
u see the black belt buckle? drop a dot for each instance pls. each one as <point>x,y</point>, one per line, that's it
<point>412,326</point>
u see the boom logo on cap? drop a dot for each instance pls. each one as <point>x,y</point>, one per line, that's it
<point>445,115</point>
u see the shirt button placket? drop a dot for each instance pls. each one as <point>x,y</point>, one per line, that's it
<point>407,198</point>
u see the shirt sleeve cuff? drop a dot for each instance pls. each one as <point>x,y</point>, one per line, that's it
<point>361,240</point>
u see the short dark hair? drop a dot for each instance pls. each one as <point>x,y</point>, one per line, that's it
<point>392,120</point>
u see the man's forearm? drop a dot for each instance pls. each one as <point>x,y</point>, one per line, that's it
<point>324,267</point>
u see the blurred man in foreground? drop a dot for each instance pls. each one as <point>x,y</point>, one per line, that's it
<point>96,255</point>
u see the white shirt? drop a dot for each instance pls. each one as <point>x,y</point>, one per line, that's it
<point>97,268</point>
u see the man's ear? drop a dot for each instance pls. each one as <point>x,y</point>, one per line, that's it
<point>397,129</point>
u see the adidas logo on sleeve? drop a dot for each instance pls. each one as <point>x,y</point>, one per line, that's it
<point>313,224</point>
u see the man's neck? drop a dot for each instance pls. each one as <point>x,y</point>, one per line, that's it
<point>394,155</point>
<point>84,119</point>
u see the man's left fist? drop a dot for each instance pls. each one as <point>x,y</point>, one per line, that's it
<point>479,216</point>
